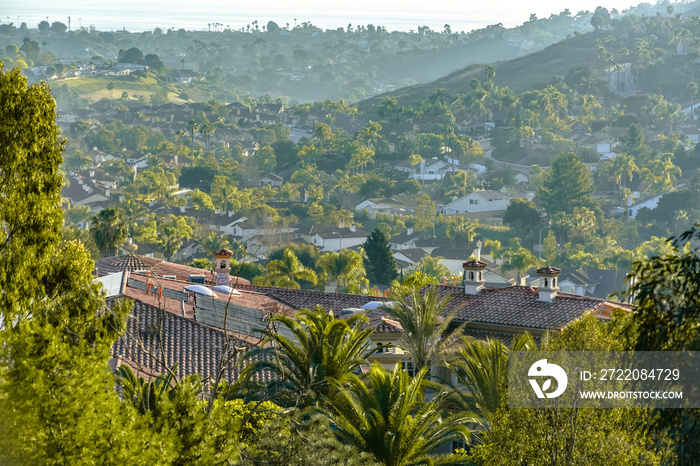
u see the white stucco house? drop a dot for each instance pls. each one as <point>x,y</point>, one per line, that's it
<point>477,201</point>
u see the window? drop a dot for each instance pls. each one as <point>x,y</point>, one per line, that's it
<point>196,279</point>
<point>381,348</point>
<point>458,445</point>
<point>409,367</point>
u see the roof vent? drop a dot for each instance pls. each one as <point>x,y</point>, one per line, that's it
<point>169,277</point>
<point>196,278</point>
<point>140,272</point>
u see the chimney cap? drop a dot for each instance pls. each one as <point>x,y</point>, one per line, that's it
<point>223,254</point>
<point>474,265</point>
<point>549,271</point>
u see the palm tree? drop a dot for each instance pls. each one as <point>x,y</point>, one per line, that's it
<point>386,417</point>
<point>461,231</point>
<point>518,258</point>
<point>179,133</point>
<point>424,339</point>
<point>109,230</point>
<point>214,242</point>
<point>347,268</point>
<point>313,356</point>
<point>192,126</point>
<point>170,241</point>
<point>76,161</point>
<point>692,90</point>
<point>286,271</point>
<point>482,369</point>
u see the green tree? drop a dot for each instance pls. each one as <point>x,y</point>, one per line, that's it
<point>482,369</point>
<point>461,231</point>
<point>572,435</point>
<point>58,404</point>
<point>314,357</point>
<point>77,161</point>
<point>109,229</point>
<point>425,214</point>
<point>518,258</point>
<point>385,416</point>
<point>522,216</point>
<point>667,294</point>
<point>380,264</point>
<point>347,268</point>
<point>567,184</point>
<point>425,338</point>
<point>287,271</point>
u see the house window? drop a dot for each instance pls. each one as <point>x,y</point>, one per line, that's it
<point>458,445</point>
<point>473,201</point>
<point>409,367</point>
<point>381,348</point>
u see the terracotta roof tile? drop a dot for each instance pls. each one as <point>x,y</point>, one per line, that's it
<point>307,299</point>
<point>519,306</point>
<point>157,267</point>
<point>195,348</point>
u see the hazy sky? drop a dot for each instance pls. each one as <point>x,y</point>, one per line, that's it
<point>393,14</point>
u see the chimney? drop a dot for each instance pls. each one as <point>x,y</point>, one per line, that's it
<point>353,228</point>
<point>222,263</point>
<point>176,160</point>
<point>183,209</point>
<point>409,231</point>
<point>231,213</point>
<point>478,250</point>
<point>92,173</point>
<point>548,283</point>
<point>474,276</point>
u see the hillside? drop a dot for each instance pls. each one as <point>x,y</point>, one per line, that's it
<point>519,74</point>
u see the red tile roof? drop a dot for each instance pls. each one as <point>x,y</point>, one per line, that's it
<point>195,348</point>
<point>519,306</point>
<point>156,267</point>
<point>301,299</point>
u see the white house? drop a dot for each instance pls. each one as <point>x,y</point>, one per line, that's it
<point>650,204</point>
<point>334,238</point>
<point>405,240</point>
<point>432,169</point>
<point>477,201</point>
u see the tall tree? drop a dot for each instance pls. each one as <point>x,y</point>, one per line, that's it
<point>380,264</point>
<point>461,231</point>
<point>109,230</point>
<point>567,184</point>
<point>425,213</point>
<point>425,337</point>
<point>58,400</point>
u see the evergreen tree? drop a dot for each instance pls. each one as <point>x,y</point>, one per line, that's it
<point>380,264</point>
<point>567,184</point>
<point>57,399</point>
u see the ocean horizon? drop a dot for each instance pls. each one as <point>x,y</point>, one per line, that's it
<point>137,16</point>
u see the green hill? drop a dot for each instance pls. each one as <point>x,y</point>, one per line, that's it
<point>519,74</point>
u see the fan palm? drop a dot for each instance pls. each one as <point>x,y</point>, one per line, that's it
<point>109,230</point>
<point>314,352</point>
<point>385,417</point>
<point>424,339</point>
